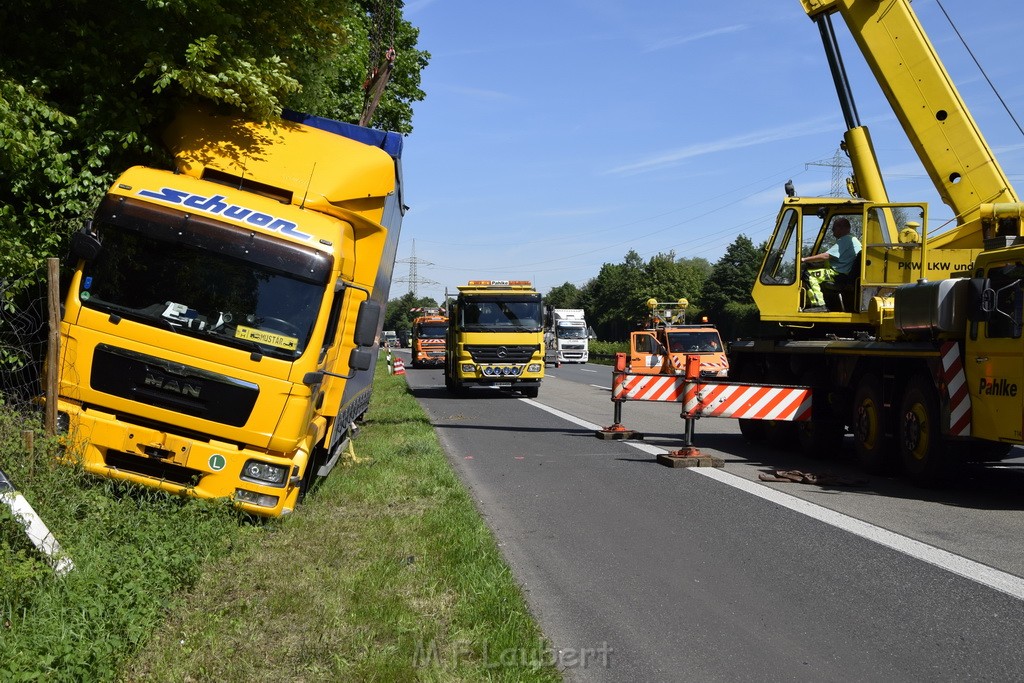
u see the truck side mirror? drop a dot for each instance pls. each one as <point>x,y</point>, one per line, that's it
<point>366,324</point>
<point>360,359</point>
<point>85,244</point>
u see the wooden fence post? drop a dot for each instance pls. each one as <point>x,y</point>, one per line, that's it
<point>52,344</point>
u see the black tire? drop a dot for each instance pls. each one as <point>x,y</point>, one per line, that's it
<point>754,431</point>
<point>309,476</point>
<point>530,392</point>
<point>872,446</point>
<point>820,437</point>
<point>923,452</point>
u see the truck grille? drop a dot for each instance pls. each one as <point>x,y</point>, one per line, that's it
<point>502,353</point>
<point>183,389</point>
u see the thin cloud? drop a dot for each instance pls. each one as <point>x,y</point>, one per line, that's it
<point>481,93</point>
<point>414,6</point>
<point>682,40</point>
<point>789,132</point>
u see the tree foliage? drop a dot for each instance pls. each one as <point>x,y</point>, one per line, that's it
<point>565,295</point>
<point>615,300</point>
<point>87,87</point>
<point>399,315</point>
<point>727,293</point>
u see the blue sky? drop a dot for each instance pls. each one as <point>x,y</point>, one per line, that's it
<point>558,134</point>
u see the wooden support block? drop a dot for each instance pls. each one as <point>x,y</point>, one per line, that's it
<point>669,460</point>
<point>613,434</point>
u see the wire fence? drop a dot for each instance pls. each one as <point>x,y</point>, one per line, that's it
<point>24,330</point>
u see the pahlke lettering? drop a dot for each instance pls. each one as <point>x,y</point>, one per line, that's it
<point>997,387</point>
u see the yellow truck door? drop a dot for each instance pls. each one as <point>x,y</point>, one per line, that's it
<point>993,362</point>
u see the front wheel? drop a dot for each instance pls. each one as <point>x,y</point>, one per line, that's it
<point>753,431</point>
<point>530,392</point>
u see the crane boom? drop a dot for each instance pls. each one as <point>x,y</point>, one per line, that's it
<point>959,162</point>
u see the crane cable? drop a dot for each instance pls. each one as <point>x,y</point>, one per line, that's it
<point>980,68</point>
<point>383,18</point>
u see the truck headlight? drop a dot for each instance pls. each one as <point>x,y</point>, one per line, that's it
<point>468,367</point>
<point>534,367</point>
<point>260,472</point>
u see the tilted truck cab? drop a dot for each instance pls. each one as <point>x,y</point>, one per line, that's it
<point>218,338</point>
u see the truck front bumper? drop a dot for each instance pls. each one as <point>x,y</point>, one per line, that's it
<point>109,447</point>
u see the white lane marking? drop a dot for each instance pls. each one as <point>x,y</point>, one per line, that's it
<point>957,564</point>
<point>586,370</point>
<point>599,386</point>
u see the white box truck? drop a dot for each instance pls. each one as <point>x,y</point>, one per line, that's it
<point>567,336</point>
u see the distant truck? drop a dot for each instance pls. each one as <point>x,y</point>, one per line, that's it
<point>218,335</point>
<point>389,338</point>
<point>565,335</point>
<point>495,337</point>
<point>429,331</point>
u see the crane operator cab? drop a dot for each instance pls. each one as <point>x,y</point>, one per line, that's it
<point>838,259</point>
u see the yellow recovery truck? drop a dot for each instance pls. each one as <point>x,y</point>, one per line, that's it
<point>921,358</point>
<point>218,338</point>
<point>495,337</point>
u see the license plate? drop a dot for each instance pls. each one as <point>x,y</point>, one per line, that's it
<point>503,384</point>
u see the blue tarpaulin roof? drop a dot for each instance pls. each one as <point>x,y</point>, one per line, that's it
<point>388,141</point>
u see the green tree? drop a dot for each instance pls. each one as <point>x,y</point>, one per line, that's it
<point>398,315</point>
<point>616,299</point>
<point>566,295</point>
<point>86,95</point>
<point>727,296</point>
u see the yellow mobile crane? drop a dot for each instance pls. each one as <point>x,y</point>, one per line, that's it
<point>920,357</point>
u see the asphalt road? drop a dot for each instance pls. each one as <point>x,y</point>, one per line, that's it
<point>640,572</point>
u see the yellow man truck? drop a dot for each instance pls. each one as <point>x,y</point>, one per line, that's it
<point>429,330</point>
<point>919,355</point>
<point>495,337</point>
<point>218,338</point>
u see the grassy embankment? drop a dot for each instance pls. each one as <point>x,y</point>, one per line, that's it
<point>386,573</point>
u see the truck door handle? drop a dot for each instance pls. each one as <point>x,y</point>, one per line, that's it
<point>981,359</point>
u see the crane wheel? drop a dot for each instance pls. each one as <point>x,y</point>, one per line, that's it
<point>873,447</point>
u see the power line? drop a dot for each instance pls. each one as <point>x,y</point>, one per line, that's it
<point>841,170</point>
<point>414,280</point>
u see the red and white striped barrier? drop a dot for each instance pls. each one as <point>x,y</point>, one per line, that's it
<point>398,366</point>
<point>716,399</point>
<point>747,401</point>
<point>955,381</point>
<point>626,387</point>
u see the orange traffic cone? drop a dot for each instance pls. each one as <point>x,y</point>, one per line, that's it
<point>399,366</point>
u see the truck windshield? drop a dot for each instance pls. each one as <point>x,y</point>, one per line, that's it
<point>191,290</point>
<point>694,342</point>
<point>521,313</point>
<point>566,332</point>
<point>434,331</point>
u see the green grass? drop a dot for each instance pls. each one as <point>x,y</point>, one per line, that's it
<point>385,573</point>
